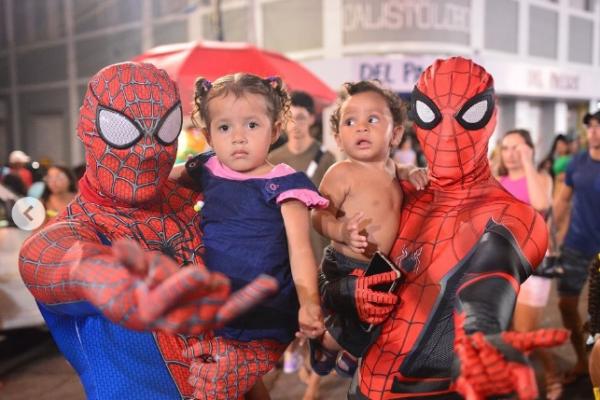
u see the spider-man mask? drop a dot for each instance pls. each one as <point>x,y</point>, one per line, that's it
<point>129,124</point>
<point>453,107</point>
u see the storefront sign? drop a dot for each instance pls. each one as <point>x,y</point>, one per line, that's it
<point>540,79</point>
<point>543,81</point>
<point>406,20</point>
<point>399,74</point>
<point>391,73</point>
<point>510,78</point>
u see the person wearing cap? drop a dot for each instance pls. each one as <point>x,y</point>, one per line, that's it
<point>17,161</point>
<point>582,240</point>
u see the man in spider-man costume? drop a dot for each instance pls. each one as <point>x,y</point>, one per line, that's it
<point>464,245</point>
<point>120,311</point>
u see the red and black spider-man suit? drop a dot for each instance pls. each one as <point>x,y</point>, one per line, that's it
<point>109,307</point>
<point>465,245</point>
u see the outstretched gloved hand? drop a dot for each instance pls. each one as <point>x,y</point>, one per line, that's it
<point>492,365</point>
<point>147,290</point>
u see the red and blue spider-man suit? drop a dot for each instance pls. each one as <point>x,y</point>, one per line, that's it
<point>109,308</point>
<point>465,245</point>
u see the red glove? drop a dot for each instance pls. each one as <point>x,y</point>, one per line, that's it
<point>373,306</point>
<point>495,364</point>
<point>245,298</point>
<point>145,290</point>
<point>227,369</point>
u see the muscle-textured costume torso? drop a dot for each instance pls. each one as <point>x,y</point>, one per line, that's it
<point>464,243</point>
<point>454,258</point>
<point>129,124</point>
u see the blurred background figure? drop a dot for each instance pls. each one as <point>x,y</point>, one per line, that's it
<point>555,162</point>
<point>15,184</point>
<point>191,141</point>
<point>17,162</point>
<point>60,189</point>
<point>495,159</point>
<point>580,194</point>
<point>520,177</point>
<point>405,153</point>
<point>78,171</point>
<point>7,199</point>
<point>303,153</point>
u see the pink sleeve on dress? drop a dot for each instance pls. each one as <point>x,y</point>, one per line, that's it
<point>311,198</point>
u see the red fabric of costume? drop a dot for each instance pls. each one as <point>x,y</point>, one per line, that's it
<point>113,306</point>
<point>464,244</point>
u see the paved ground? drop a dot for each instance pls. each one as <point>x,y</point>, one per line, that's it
<point>40,372</point>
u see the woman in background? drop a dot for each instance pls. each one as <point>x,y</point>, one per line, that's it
<point>60,190</point>
<point>558,157</point>
<point>520,177</point>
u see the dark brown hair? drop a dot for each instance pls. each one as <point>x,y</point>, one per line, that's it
<point>395,104</point>
<point>72,182</point>
<point>272,89</point>
<point>524,133</point>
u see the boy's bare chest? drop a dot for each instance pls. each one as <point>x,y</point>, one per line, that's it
<point>376,192</point>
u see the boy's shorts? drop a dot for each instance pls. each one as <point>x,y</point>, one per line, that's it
<point>348,331</point>
<point>576,266</point>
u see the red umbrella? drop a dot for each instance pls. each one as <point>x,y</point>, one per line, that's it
<point>184,62</point>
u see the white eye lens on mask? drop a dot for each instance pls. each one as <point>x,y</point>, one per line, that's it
<point>170,126</point>
<point>116,129</point>
<point>121,132</point>
<point>476,112</point>
<point>424,112</point>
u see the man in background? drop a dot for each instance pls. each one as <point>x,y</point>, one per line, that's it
<point>581,244</point>
<point>17,162</point>
<point>304,153</point>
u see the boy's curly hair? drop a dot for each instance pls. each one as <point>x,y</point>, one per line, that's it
<point>397,107</point>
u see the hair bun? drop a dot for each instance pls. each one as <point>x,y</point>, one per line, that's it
<point>274,81</point>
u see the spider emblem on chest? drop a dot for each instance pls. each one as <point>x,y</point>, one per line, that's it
<point>409,261</point>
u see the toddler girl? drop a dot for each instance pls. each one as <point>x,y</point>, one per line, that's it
<point>255,219</point>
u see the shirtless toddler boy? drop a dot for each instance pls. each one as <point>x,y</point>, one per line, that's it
<point>365,200</point>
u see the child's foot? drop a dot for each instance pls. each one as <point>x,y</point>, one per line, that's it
<point>346,364</point>
<point>311,393</point>
<point>322,360</point>
<point>312,387</point>
<point>554,387</point>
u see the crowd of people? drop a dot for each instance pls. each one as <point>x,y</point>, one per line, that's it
<point>54,185</point>
<point>252,176</point>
